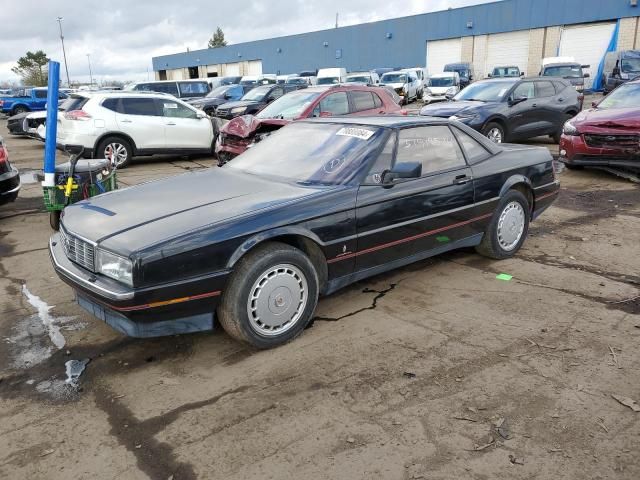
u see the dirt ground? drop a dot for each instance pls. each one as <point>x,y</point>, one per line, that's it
<point>435,371</point>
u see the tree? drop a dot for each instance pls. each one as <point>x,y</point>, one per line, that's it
<point>218,39</point>
<point>32,68</point>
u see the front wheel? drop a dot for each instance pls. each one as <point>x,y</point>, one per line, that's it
<point>271,296</point>
<point>494,132</point>
<point>508,228</point>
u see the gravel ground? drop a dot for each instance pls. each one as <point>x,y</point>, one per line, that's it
<point>433,371</point>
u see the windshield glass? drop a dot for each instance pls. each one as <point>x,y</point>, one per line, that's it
<point>297,81</point>
<point>257,94</point>
<point>506,72</point>
<point>625,96</point>
<point>631,64</point>
<point>328,80</point>
<point>218,92</point>
<point>441,82</point>
<point>307,153</point>
<point>289,106</point>
<point>564,71</point>
<point>248,82</point>
<point>394,78</point>
<point>485,91</point>
<point>359,79</point>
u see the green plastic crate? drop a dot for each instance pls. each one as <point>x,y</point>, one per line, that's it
<point>54,196</point>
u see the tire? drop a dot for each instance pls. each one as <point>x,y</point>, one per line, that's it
<point>246,314</point>
<point>17,110</point>
<point>556,136</point>
<point>120,145</point>
<point>494,132</point>
<point>500,240</point>
<point>54,219</point>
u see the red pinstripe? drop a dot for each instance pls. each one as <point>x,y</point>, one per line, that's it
<point>147,306</point>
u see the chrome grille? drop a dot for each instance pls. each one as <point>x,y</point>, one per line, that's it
<point>613,141</point>
<point>77,250</point>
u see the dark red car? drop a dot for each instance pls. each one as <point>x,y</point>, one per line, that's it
<point>608,134</point>
<point>240,133</point>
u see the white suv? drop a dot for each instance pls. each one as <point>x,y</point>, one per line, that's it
<point>130,124</point>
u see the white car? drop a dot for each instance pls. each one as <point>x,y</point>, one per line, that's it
<point>130,124</point>
<point>368,78</point>
<point>440,86</point>
<point>405,84</point>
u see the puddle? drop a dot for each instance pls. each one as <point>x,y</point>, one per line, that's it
<point>30,176</point>
<point>74,370</point>
<point>51,328</point>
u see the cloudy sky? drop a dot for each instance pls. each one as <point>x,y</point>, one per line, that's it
<point>122,35</point>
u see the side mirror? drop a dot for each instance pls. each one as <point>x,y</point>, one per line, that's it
<point>594,104</point>
<point>522,74</point>
<point>201,114</point>
<point>515,101</point>
<point>402,170</point>
<point>586,75</point>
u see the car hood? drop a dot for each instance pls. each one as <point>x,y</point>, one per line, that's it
<point>207,101</point>
<point>246,125</point>
<point>602,121</point>
<point>130,220</point>
<point>393,85</point>
<point>452,108</point>
<point>439,89</point>
<point>239,103</point>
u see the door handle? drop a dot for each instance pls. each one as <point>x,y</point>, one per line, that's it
<point>461,180</point>
<point>561,99</point>
<point>170,123</point>
<point>126,121</point>
<point>534,105</point>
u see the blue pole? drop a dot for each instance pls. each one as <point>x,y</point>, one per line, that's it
<point>52,124</point>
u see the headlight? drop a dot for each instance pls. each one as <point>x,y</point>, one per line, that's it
<point>238,110</point>
<point>451,91</point>
<point>462,118</point>
<point>114,266</point>
<point>570,129</point>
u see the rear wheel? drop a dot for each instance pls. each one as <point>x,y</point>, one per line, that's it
<point>494,132</point>
<point>19,109</point>
<point>118,147</point>
<point>508,228</point>
<point>271,296</point>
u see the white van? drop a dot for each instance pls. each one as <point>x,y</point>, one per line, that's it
<point>441,87</point>
<point>331,76</point>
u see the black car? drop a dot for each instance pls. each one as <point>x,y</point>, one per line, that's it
<point>218,96</point>
<point>464,70</point>
<point>9,177</point>
<point>16,124</point>
<point>508,109</point>
<point>254,100</point>
<point>315,206</point>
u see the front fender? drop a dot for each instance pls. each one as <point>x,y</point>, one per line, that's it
<point>261,237</point>
<point>513,180</point>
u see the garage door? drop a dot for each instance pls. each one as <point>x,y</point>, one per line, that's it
<point>232,69</point>
<point>255,67</point>
<point>507,49</point>
<point>587,44</point>
<point>441,52</point>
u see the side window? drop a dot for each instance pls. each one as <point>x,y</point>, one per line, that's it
<point>362,101</point>
<point>275,93</point>
<point>175,109</point>
<point>43,94</point>
<point>169,87</point>
<point>112,104</point>
<point>544,89</point>
<point>525,89</point>
<point>377,103</point>
<point>335,104</point>
<point>382,163</point>
<point>143,87</point>
<point>139,106</point>
<point>473,150</point>
<point>434,147</point>
<point>192,89</point>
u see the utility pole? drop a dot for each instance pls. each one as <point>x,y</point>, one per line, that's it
<point>90,74</point>
<point>337,13</point>
<point>64,54</point>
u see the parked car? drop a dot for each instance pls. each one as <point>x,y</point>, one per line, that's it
<point>217,97</point>
<point>566,68</point>
<point>366,78</point>
<point>506,72</point>
<point>420,73</point>
<point>26,100</point>
<point>619,67</point>
<point>130,124</point>
<point>441,87</point>
<point>509,109</point>
<point>464,69</point>
<point>310,75</point>
<point>253,101</point>
<point>242,132</point>
<point>405,84</point>
<point>331,76</point>
<point>607,135</point>
<point>268,79</point>
<point>319,205</point>
<point>15,124</point>
<point>9,177</point>
<point>300,81</point>
<point>180,89</point>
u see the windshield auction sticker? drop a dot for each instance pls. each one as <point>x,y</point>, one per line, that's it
<point>361,133</point>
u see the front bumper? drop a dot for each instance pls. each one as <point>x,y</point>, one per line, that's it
<point>183,306</point>
<point>9,186</point>
<point>575,151</point>
<point>433,98</point>
<point>232,145</point>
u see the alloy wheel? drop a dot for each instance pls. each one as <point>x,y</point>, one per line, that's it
<point>511,226</point>
<point>495,135</point>
<point>116,152</point>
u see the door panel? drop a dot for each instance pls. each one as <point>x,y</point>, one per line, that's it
<point>525,119</point>
<point>140,119</point>
<point>183,129</point>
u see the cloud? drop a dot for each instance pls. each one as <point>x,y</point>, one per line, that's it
<point>122,36</point>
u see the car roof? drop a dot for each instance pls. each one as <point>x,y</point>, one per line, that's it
<point>119,93</point>
<point>444,74</point>
<point>389,121</point>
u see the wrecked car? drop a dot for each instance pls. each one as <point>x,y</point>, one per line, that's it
<point>608,134</point>
<point>237,135</point>
<point>318,205</point>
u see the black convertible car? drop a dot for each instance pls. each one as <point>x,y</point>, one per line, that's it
<point>315,206</point>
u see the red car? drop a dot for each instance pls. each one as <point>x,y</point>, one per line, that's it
<point>240,133</point>
<point>608,134</point>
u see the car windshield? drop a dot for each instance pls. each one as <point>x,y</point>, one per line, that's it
<point>564,71</point>
<point>296,81</point>
<point>218,92</point>
<point>328,80</point>
<point>463,72</point>
<point>248,83</point>
<point>506,72</point>
<point>289,106</point>
<point>359,79</point>
<point>257,94</point>
<point>625,96</point>
<point>490,91</point>
<point>631,64</point>
<point>393,78</point>
<point>311,154</point>
<point>441,81</point>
